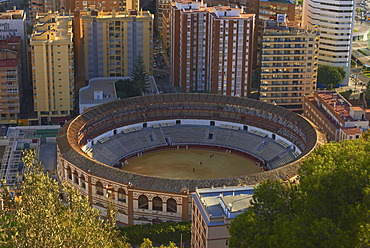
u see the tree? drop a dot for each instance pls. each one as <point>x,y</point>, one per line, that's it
<point>43,219</point>
<point>346,94</point>
<point>126,88</point>
<point>330,75</point>
<point>139,74</point>
<point>329,208</point>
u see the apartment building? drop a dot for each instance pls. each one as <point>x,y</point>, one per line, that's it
<point>52,67</point>
<point>100,5</point>
<point>13,23</point>
<point>162,21</point>
<point>113,40</point>
<point>211,48</point>
<point>289,64</point>
<point>10,79</point>
<point>337,118</point>
<point>213,209</point>
<point>267,10</point>
<point>334,20</point>
<point>44,6</point>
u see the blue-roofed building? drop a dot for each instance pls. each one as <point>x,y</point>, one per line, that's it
<point>213,209</point>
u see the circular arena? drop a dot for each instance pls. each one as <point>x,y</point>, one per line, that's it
<point>147,153</point>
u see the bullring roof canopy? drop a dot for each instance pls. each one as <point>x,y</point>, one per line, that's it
<point>98,120</point>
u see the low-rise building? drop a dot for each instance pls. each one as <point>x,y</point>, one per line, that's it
<point>337,118</point>
<point>213,209</point>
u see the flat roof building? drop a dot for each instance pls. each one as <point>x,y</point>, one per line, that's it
<point>338,119</point>
<point>53,67</point>
<point>211,48</point>
<point>112,41</point>
<point>334,20</point>
<point>11,79</point>
<point>289,64</point>
<point>213,209</point>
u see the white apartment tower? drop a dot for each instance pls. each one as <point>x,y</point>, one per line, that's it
<point>334,20</point>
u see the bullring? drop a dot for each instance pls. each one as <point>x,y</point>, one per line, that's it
<point>93,148</point>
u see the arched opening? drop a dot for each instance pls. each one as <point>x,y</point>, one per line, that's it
<point>157,204</point>
<point>121,195</point>
<point>143,202</point>
<point>82,180</point>
<point>171,206</point>
<point>75,178</point>
<point>99,188</point>
<point>69,173</point>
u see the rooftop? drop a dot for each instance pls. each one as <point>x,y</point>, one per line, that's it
<point>238,202</point>
<point>103,85</point>
<point>337,104</point>
<point>223,202</point>
<point>351,130</point>
<point>280,1</point>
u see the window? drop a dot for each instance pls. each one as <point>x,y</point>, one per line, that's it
<point>69,173</point>
<point>82,180</point>
<point>210,136</point>
<point>171,206</point>
<point>157,203</point>
<point>99,188</point>
<point>143,202</point>
<point>75,178</point>
<point>122,195</point>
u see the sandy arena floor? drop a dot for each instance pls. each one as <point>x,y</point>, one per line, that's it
<point>191,163</point>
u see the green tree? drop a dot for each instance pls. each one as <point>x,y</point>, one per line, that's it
<point>139,74</point>
<point>346,94</point>
<point>42,219</point>
<point>330,75</point>
<point>329,208</point>
<point>126,88</point>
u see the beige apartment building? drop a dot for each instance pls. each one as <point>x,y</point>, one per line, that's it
<point>52,67</point>
<point>113,40</point>
<point>289,64</point>
<point>335,116</point>
<point>100,5</point>
<point>162,20</point>
<point>211,48</point>
<point>213,209</point>
<point>10,79</point>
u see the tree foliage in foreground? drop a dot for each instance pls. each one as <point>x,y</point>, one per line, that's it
<point>42,219</point>
<point>38,217</point>
<point>330,75</point>
<point>159,233</point>
<point>329,208</point>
